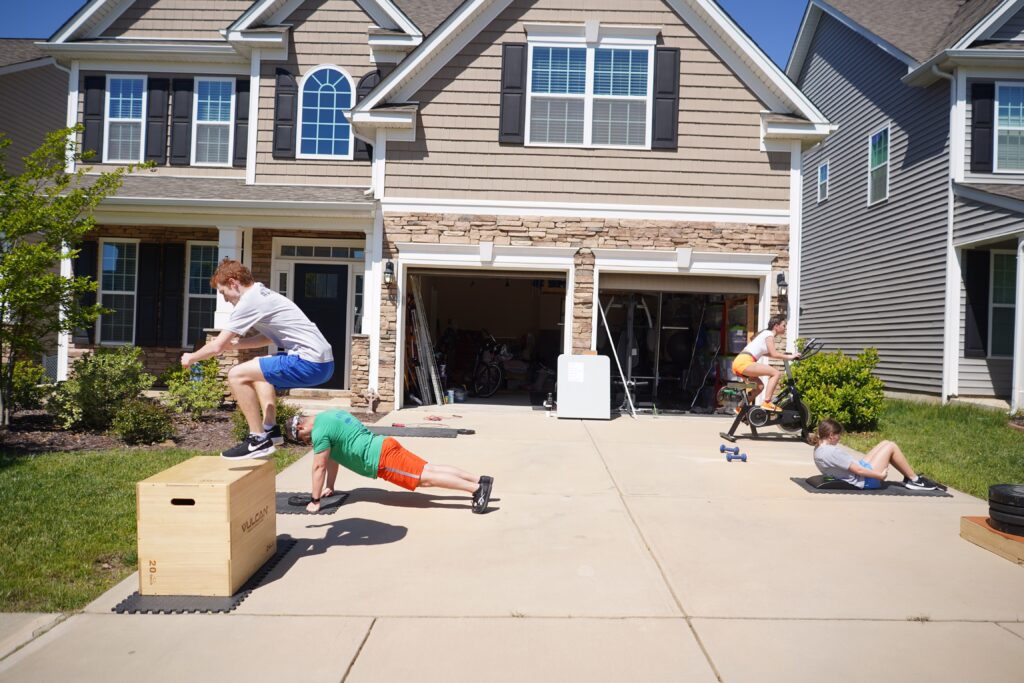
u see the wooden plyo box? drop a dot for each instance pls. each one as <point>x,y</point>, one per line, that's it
<point>977,531</point>
<point>205,526</point>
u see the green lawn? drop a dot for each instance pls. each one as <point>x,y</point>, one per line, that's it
<point>966,447</point>
<point>67,523</point>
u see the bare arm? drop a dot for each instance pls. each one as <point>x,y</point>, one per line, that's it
<point>319,473</point>
<point>254,342</point>
<point>212,348</point>
<point>778,355</point>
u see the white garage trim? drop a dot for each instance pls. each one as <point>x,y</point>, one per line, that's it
<point>684,261</point>
<point>483,256</point>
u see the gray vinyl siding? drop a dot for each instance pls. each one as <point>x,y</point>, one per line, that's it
<point>875,276</point>
<point>975,222</point>
<point>1013,29</point>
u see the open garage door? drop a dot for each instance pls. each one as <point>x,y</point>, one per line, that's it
<point>496,334</point>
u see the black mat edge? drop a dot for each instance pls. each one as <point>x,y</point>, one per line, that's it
<point>888,489</point>
<point>436,432</point>
<point>328,505</point>
<point>202,604</point>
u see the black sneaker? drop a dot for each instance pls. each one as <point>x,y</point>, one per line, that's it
<point>275,435</point>
<point>919,484</point>
<point>253,446</point>
<point>482,496</point>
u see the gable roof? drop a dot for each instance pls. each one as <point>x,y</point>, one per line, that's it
<point>18,51</point>
<point>427,14</point>
<point>704,17</point>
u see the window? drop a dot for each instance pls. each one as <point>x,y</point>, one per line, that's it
<point>878,166</point>
<point>118,272</point>
<point>823,182</point>
<point>357,305</point>
<point>1009,128</point>
<point>212,117</point>
<point>323,115</point>
<point>200,298</point>
<point>590,96</point>
<point>125,111</point>
<point>1003,294</point>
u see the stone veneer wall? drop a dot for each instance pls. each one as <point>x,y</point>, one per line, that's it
<point>359,373</point>
<point>584,233</point>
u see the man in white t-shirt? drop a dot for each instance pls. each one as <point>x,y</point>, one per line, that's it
<point>305,359</point>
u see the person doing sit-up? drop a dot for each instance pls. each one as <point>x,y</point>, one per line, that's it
<point>867,472</point>
<point>747,362</point>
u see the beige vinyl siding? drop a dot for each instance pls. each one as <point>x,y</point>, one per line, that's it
<point>324,32</point>
<point>33,103</point>
<point>187,19</point>
<point>718,162</point>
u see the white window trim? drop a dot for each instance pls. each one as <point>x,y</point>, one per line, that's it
<point>828,177</point>
<point>992,305</point>
<point>995,127</point>
<point>100,291</point>
<point>188,297</point>
<point>142,121</point>
<point>588,96</point>
<point>888,159</point>
<point>196,122</point>
<point>347,112</point>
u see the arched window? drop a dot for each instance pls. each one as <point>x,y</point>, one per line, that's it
<point>325,131</point>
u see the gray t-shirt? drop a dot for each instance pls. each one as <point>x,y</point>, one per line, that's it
<point>833,461</point>
<point>281,321</point>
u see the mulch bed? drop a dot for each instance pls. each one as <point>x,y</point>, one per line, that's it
<point>35,431</point>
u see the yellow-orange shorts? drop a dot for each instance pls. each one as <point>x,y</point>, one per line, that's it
<point>399,466</point>
<point>741,362</point>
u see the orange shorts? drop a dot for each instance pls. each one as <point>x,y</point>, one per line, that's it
<point>741,362</point>
<point>399,466</point>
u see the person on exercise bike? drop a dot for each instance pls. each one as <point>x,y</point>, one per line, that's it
<point>763,345</point>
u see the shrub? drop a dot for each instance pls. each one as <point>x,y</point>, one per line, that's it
<point>196,390</point>
<point>100,383</point>
<point>841,387</point>
<point>141,422</point>
<point>31,387</point>
<point>285,412</point>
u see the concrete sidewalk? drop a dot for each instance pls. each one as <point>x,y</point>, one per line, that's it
<point>621,550</point>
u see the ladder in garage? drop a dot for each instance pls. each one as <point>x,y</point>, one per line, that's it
<point>425,347</point>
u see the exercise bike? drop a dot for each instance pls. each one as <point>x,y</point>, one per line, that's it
<point>794,416</point>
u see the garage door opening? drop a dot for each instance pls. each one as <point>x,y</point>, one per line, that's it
<point>675,344</point>
<point>495,335</point>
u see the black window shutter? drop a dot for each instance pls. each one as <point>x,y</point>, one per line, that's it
<point>181,121</point>
<point>85,264</point>
<point>92,116</point>
<point>665,119</point>
<point>147,294</point>
<point>364,151</point>
<point>976,276</point>
<point>156,120</point>
<point>982,119</point>
<point>285,114</point>
<point>172,295</point>
<point>241,122</point>
<point>512,114</point>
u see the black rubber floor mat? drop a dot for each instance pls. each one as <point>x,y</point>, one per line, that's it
<point>890,488</point>
<point>328,505</point>
<point>202,604</point>
<point>436,432</point>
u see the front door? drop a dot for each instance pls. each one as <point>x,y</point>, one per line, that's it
<point>321,291</point>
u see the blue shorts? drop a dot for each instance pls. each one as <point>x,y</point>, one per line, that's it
<point>286,371</point>
<point>868,482</point>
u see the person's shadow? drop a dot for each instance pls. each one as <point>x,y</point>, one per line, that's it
<point>413,499</point>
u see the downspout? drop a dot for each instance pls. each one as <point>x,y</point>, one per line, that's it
<point>71,118</point>
<point>951,318</point>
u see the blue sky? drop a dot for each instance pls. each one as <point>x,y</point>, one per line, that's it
<point>772,23</point>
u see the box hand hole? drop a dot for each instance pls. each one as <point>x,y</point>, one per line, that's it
<point>183,501</point>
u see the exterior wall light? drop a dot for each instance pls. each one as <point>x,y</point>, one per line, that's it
<point>389,273</point>
<point>783,286</point>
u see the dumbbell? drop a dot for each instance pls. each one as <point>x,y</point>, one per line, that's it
<point>732,453</point>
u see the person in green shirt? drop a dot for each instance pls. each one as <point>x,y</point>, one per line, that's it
<point>338,438</point>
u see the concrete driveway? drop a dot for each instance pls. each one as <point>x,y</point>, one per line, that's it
<point>621,550</point>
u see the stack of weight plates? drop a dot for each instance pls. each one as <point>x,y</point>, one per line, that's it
<point>1006,508</point>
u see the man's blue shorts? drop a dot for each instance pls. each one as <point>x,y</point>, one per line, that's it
<point>868,482</point>
<point>287,371</point>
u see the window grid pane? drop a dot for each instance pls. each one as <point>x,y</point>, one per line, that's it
<point>202,261</point>
<point>326,95</point>
<point>1002,331</point>
<point>357,324</point>
<point>200,317</point>
<point>118,273</point>
<point>212,143</point>
<point>117,326</point>
<point>555,120</point>
<point>214,101</point>
<point>124,142</point>
<point>620,72</point>
<point>879,149</point>
<point>1011,107</point>
<point>1004,279</point>
<point>620,122</point>
<point>559,70</point>
<point>125,99</point>
<point>879,183</point>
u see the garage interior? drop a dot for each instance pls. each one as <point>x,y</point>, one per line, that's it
<point>675,337</point>
<point>511,319</point>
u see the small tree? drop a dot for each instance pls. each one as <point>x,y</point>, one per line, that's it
<point>44,215</point>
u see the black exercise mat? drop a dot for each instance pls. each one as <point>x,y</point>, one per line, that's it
<point>889,488</point>
<point>436,432</point>
<point>328,505</point>
<point>201,604</point>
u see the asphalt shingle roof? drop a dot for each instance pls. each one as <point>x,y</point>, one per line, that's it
<point>18,50</point>
<point>145,185</point>
<point>427,14</point>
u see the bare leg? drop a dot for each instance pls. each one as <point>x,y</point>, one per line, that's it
<point>766,374</point>
<point>446,477</point>
<point>268,401</point>
<point>244,379</point>
<point>886,453</point>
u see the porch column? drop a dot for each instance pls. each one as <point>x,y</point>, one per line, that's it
<point>1017,394</point>
<point>63,338</point>
<point>372,293</point>
<point>229,245</point>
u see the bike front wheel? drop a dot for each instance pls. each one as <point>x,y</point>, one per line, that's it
<point>486,381</point>
<point>805,416</point>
